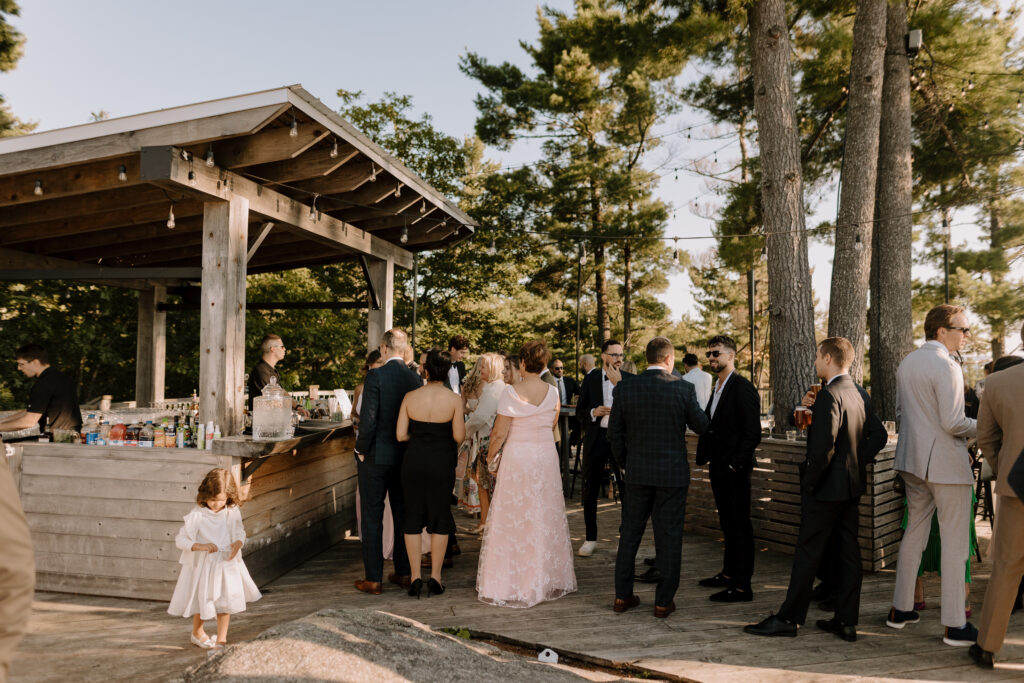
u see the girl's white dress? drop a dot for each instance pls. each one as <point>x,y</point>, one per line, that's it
<point>209,583</point>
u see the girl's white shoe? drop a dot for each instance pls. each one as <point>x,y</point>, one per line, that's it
<point>205,644</point>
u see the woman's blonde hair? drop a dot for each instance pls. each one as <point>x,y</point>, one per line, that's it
<point>494,364</point>
<point>474,378</point>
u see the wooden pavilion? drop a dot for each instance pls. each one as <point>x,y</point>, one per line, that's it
<point>204,194</point>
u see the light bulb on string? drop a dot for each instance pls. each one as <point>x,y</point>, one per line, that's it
<point>294,130</point>
<point>764,254</point>
<point>38,189</point>
<point>423,206</point>
<point>858,244</point>
<point>312,208</point>
<point>209,158</point>
<point>493,249</point>
<point>405,234</point>
<point>970,83</point>
<point>122,173</point>
<point>950,110</point>
<point>334,149</point>
<point>398,190</point>
<point>583,255</point>
<point>945,222</point>
<point>373,172</point>
<point>675,249</point>
<point>170,217</point>
<point>985,125</point>
<point>191,177</point>
<point>963,91</point>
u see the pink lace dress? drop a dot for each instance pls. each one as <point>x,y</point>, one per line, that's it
<point>526,556</point>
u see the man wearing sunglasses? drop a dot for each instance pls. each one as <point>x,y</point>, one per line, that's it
<point>728,448</point>
<point>932,458</point>
<point>592,409</point>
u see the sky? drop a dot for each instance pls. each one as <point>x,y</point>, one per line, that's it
<point>127,57</point>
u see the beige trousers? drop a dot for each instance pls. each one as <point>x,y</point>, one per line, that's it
<point>952,502</point>
<point>1007,568</point>
<point>17,569</point>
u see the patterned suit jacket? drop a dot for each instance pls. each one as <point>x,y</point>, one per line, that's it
<point>647,428</point>
<point>383,391</point>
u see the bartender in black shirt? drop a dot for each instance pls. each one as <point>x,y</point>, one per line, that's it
<point>53,401</point>
<point>271,352</point>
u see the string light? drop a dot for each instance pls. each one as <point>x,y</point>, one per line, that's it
<point>122,173</point>
<point>334,149</point>
<point>675,249</point>
<point>191,177</point>
<point>984,126</point>
<point>423,207</point>
<point>38,189</point>
<point>209,157</point>
<point>373,172</point>
<point>950,108</point>
<point>583,255</point>
<point>170,217</point>
<point>405,234</point>
<point>294,130</point>
<point>312,208</point>
<point>398,190</point>
<point>764,254</point>
<point>858,244</point>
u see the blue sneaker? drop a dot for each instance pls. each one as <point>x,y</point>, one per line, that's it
<point>898,619</point>
<point>964,636</point>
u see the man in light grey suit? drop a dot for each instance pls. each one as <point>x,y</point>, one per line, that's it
<point>932,457</point>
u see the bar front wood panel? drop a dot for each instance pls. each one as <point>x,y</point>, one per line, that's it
<point>103,520</point>
<point>775,503</point>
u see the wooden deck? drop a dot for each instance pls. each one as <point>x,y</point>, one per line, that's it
<point>85,638</point>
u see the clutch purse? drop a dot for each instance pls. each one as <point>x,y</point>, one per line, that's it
<point>493,465</point>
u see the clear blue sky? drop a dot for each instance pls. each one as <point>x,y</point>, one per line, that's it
<point>130,57</point>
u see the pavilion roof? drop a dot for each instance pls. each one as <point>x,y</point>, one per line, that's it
<point>96,197</point>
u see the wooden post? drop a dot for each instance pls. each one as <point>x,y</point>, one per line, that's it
<point>222,314</point>
<point>151,350</point>
<point>382,275</point>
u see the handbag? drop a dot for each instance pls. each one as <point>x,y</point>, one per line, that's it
<point>493,465</point>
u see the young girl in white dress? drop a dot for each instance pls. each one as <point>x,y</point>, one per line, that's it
<point>213,581</point>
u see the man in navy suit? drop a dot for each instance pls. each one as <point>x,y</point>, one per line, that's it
<point>592,410</point>
<point>728,445</point>
<point>647,432</point>
<point>844,436</point>
<point>379,460</point>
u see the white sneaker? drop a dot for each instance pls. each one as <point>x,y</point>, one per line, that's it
<point>587,549</point>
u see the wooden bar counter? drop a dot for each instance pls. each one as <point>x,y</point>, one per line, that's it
<point>103,519</point>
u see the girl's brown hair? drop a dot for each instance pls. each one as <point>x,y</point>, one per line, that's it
<point>216,482</point>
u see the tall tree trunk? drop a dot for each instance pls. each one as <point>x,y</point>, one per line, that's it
<point>604,326</point>
<point>852,262</point>
<point>789,278</point>
<point>892,324</point>
<point>997,326</point>
<point>627,286</point>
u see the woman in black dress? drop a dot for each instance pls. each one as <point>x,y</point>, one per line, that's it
<point>431,420</point>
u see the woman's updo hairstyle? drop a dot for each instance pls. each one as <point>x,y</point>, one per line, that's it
<point>534,356</point>
<point>437,365</point>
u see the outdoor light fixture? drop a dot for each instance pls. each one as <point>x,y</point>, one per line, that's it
<point>423,206</point>
<point>764,254</point>
<point>122,173</point>
<point>675,249</point>
<point>398,190</point>
<point>170,217</point>
<point>191,177</point>
<point>38,190</point>
<point>209,157</point>
<point>373,172</point>
<point>583,255</point>
<point>405,234</point>
<point>312,208</point>
<point>334,149</point>
<point>914,41</point>
<point>858,244</point>
<point>294,131</point>
<point>492,250</point>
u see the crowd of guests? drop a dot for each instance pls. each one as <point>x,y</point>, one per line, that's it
<point>493,430</point>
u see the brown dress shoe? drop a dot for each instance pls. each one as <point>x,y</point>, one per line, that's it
<point>623,604</point>
<point>662,612</point>
<point>371,587</point>
<point>403,580</point>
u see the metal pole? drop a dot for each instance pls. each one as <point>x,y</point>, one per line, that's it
<point>945,268</point>
<point>579,283</point>
<point>750,308</point>
<point>415,295</point>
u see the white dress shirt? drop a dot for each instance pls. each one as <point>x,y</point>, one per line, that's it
<point>718,392</point>
<point>453,379</point>
<point>701,382</point>
<point>606,392</point>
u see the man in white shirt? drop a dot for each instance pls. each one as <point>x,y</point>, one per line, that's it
<point>932,458</point>
<point>700,380</point>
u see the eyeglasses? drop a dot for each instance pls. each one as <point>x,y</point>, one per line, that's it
<point>615,355</point>
<point>965,330</point>
<point>713,354</point>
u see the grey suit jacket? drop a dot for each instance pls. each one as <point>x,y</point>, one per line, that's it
<point>930,408</point>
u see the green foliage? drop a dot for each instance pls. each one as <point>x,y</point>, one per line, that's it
<point>11,47</point>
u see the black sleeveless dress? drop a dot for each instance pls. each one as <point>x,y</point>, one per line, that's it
<point>428,477</point>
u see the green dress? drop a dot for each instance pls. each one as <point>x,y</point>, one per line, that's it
<point>931,558</point>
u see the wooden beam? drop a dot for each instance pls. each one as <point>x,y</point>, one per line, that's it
<point>313,163</point>
<point>18,265</point>
<point>267,146</point>
<point>278,306</point>
<point>387,208</point>
<point>188,232</point>
<point>351,176</point>
<point>151,349</point>
<point>99,229</point>
<point>254,244</point>
<point>382,274</point>
<point>165,166</point>
<point>222,314</point>
<point>370,193</point>
<point>66,208</point>
<point>119,144</point>
<point>69,181</point>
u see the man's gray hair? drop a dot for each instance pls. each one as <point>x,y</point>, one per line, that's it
<point>587,361</point>
<point>395,339</point>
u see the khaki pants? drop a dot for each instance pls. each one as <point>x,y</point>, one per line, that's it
<point>17,569</point>
<point>1007,567</point>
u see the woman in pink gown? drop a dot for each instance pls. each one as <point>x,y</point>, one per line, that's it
<point>526,556</point>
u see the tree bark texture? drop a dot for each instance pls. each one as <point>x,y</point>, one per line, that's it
<point>997,325</point>
<point>891,314</point>
<point>852,262</point>
<point>791,317</point>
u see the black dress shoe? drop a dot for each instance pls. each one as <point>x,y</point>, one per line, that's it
<point>982,658</point>
<point>649,561</point>
<point>652,575</point>
<point>847,633</point>
<point>719,580</point>
<point>732,594</point>
<point>772,626</point>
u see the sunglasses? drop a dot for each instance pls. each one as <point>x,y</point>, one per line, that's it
<point>965,330</point>
<point>713,354</point>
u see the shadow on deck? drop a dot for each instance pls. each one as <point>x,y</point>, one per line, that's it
<point>84,638</point>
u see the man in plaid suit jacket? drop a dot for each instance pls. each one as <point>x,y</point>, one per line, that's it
<point>647,432</point>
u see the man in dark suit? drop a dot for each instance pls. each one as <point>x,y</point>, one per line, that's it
<point>379,460</point>
<point>728,445</point>
<point>593,409</point>
<point>647,433</point>
<point>844,436</point>
<point>458,349</point>
<point>567,386</point>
